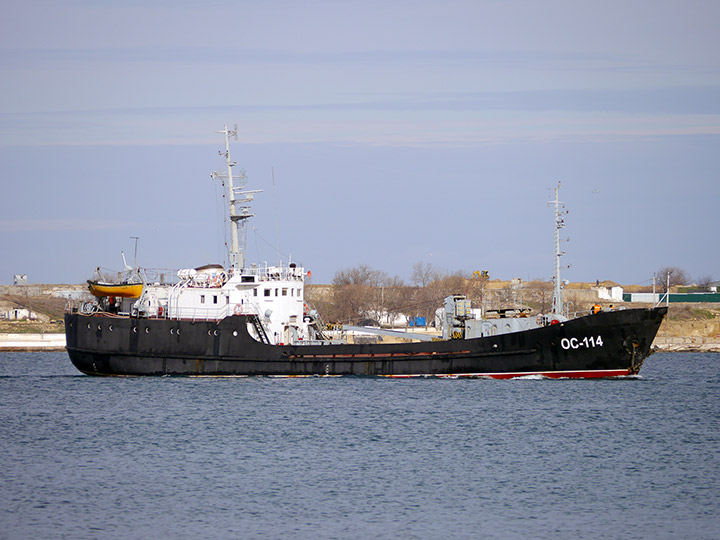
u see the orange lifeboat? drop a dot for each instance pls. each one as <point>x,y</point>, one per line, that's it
<point>122,290</point>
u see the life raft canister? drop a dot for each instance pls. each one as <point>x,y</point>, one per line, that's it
<point>596,309</point>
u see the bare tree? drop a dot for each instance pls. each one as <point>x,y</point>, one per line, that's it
<point>703,282</point>
<point>539,295</point>
<point>476,288</point>
<point>426,300</point>
<point>394,297</point>
<point>358,275</point>
<point>362,292</point>
<point>424,273</point>
<point>678,276</point>
<point>454,283</point>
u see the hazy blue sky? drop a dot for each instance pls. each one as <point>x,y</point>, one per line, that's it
<point>398,131</point>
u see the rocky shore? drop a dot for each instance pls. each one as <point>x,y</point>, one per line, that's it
<point>686,344</point>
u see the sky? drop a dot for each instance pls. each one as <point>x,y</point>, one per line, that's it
<point>381,133</point>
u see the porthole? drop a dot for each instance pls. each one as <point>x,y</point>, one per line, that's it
<point>134,329</point>
<point>110,327</point>
<point>147,329</point>
<point>89,327</point>
<point>235,333</point>
<point>215,332</point>
<point>172,331</point>
<point>99,327</point>
<point>177,331</point>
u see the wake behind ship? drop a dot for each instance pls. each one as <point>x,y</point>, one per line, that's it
<point>251,320</point>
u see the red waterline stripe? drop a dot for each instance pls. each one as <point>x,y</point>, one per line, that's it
<point>590,374</point>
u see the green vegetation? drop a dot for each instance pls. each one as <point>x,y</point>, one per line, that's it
<point>32,327</point>
<point>704,314</point>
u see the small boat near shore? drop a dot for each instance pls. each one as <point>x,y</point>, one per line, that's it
<point>253,320</point>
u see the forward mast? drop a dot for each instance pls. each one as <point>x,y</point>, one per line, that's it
<point>557,302</point>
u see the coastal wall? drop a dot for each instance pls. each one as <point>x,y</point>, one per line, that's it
<point>32,342</point>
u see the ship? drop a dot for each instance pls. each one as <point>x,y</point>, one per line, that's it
<point>252,319</point>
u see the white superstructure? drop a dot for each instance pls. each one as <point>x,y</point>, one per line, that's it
<point>273,294</point>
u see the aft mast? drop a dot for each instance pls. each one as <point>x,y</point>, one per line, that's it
<point>557,301</point>
<point>238,201</point>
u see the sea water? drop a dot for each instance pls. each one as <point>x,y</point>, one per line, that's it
<point>84,457</point>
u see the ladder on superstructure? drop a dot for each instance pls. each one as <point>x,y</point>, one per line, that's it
<point>259,328</point>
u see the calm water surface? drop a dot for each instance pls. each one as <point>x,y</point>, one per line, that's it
<point>84,457</point>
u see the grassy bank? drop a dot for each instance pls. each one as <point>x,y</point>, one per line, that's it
<point>32,327</point>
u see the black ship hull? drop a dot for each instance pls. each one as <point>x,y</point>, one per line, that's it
<point>607,344</point>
